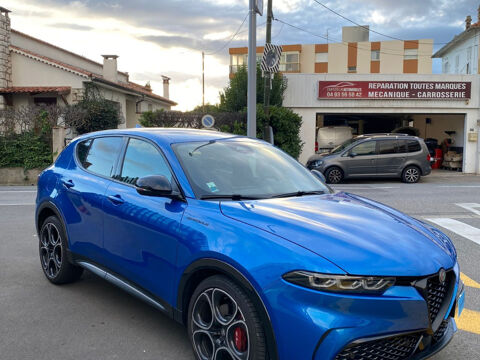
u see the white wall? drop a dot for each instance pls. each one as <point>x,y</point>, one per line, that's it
<point>461,51</point>
<point>301,97</point>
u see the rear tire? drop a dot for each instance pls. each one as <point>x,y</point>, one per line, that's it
<point>53,253</point>
<point>223,323</point>
<point>411,174</point>
<point>334,175</point>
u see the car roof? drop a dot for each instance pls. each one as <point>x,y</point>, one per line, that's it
<point>387,136</point>
<point>170,135</point>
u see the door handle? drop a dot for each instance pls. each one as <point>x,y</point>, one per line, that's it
<point>68,183</point>
<point>116,199</point>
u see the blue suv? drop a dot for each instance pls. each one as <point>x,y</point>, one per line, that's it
<point>246,247</point>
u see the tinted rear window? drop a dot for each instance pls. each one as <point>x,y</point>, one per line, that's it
<point>413,146</point>
<point>99,155</point>
<point>387,147</point>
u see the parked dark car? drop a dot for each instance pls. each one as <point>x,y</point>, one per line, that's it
<point>375,155</point>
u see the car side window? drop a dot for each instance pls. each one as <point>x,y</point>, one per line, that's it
<point>387,147</point>
<point>414,146</point>
<point>142,159</point>
<point>99,155</point>
<point>363,149</point>
<point>402,146</point>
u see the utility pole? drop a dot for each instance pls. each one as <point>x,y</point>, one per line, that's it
<point>203,81</point>
<point>252,72</point>
<point>266,91</point>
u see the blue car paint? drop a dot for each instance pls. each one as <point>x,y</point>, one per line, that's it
<point>337,234</point>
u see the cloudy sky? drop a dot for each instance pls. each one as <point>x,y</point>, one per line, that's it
<point>166,37</point>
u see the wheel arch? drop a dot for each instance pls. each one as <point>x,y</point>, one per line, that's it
<point>45,210</point>
<point>204,268</point>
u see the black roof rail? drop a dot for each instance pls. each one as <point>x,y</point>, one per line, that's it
<point>386,134</point>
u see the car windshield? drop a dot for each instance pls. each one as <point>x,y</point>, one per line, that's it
<point>343,145</point>
<point>240,168</point>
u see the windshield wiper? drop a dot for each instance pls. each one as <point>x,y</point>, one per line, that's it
<point>299,193</point>
<point>230,196</point>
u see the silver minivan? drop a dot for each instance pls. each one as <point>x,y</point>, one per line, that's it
<point>375,155</point>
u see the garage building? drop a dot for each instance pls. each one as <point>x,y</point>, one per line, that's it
<point>441,107</point>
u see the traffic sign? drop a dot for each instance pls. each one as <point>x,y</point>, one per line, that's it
<point>208,121</point>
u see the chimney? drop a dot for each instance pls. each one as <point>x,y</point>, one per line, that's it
<point>166,86</point>
<point>5,58</point>
<point>110,71</point>
<point>468,22</point>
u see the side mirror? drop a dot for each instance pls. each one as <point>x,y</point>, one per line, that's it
<point>319,175</point>
<point>154,185</point>
<point>352,154</point>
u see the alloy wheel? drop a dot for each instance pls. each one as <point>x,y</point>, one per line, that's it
<point>51,252</point>
<point>411,175</point>
<point>334,176</point>
<point>219,328</point>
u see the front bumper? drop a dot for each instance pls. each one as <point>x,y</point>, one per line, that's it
<point>310,324</point>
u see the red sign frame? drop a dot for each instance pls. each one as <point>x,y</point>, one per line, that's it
<point>403,90</point>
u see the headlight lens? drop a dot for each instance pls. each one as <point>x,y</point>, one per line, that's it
<point>340,283</point>
<point>316,163</point>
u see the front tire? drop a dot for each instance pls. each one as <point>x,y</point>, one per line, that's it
<point>334,175</point>
<point>223,323</point>
<point>411,175</point>
<point>53,253</point>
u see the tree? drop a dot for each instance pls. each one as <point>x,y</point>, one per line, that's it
<point>234,96</point>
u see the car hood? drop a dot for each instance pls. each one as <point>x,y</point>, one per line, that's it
<point>359,235</point>
<point>318,156</point>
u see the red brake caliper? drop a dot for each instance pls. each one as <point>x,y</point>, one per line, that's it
<point>240,339</point>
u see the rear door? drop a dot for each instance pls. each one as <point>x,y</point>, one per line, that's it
<point>391,156</point>
<point>83,191</point>
<point>361,159</point>
<point>140,232</point>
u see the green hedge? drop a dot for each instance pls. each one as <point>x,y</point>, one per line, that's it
<point>25,150</point>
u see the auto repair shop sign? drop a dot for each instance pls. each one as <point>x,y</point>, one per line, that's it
<point>423,90</point>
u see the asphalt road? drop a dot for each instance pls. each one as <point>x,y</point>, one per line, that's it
<point>92,319</point>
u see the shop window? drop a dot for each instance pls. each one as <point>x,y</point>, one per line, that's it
<point>138,107</point>
<point>375,55</point>
<point>410,54</point>
<point>321,57</point>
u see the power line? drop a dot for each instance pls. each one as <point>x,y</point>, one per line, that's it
<point>366,27</point>
<point>231,39</point>
<point>343,43</point>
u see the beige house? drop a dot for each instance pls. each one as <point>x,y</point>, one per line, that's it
<point>354,55</point>
<point>33,71</point>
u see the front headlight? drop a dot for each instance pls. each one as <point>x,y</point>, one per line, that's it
<point>316,163</point>
<point>340,283</point>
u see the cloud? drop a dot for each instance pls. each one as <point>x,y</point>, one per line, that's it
<point>72,26</point>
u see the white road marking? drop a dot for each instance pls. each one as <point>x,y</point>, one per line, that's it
<point>18,191</point>
<point>473,207</point>
<point>17,204</point>
<point>460,228</point>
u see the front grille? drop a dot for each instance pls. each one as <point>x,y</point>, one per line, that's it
<point>393,348</point>
<point>440,331</point>
<point>436,293</point>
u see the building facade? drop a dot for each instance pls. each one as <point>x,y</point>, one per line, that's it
<point>439,106</point>
<point>33,71</point>
<point>354,55</point>
<point>462,54</point>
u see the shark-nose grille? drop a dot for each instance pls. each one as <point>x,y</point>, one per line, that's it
<point>435,297</point>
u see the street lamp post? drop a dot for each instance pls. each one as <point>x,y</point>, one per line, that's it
<point>252,72</point>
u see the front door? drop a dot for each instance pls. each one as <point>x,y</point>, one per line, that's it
<point>140,232</point>
<point>361,159</point>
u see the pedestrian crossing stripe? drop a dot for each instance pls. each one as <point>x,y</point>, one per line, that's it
<point>469,321</point>
<point>469,282</point>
